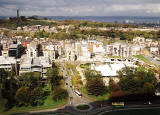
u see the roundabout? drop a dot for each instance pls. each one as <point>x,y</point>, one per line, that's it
<point>83,107</point>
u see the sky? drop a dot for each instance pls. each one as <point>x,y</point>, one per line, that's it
<point>80,7</point>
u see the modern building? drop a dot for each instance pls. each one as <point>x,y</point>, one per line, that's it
<point>7,63</point>
<point>1,48</point>
<point>154,49</point>
<point>16,50</point>
<point>53,51</point>
<point>123,50</point>
<point>37,64</point>
<point>32,50</point>
<point>110,69</point>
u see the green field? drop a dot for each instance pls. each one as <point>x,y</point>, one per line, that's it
<point>82,107</point>
<point>148,111</point>
<point>49,103</point>
<point>92,97</point>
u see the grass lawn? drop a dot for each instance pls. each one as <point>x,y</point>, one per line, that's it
<point>49,103</point>
<point>148,111</point>
<point>82,107</point>
<point>85,66</point>
<point>95,98</point>
<point>141,57</point>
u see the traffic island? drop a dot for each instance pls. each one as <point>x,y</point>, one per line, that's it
<point>83,107</point>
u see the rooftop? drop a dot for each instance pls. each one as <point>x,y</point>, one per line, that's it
<point>7,60</point>
<point>111,69</point>
<point>13,46</point>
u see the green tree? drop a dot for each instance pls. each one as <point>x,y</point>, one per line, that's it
<point>77,81</point>
<point>90,74</point>
<point>54,77</point>
<point>8,86</point>
<point>36,96</point>
<point>148,88</point>
<point>31,80</point>
<point>59,94</point>
<point>96,86</point>
<point>44,18</point>
<point>3,75</point>
<point>133,80</point>
<point>23,96</point>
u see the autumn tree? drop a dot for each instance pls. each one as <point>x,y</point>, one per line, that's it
<point>113,87</point>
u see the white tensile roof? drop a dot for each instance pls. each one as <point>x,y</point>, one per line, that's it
<point>111,69</point>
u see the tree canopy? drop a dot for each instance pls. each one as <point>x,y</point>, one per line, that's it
<point>134,81</point>
<point>96,87</point>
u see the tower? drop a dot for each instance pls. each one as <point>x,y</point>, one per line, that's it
<point>17,13</point>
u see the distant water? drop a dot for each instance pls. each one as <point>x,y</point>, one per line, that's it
<point>118,19</point>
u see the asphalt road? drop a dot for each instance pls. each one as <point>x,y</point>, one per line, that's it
<point>74,99</point>
<point>153,59</point>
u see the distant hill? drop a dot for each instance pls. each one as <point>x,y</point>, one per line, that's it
<point>112,19</point>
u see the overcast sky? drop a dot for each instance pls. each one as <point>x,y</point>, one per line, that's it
<point>80,7</point>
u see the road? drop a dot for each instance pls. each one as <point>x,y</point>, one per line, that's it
<point>153,59</point>
<point>74,99</point>
<point>96,110</point>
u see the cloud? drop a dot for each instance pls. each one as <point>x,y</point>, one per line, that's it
<point>80,7</point>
